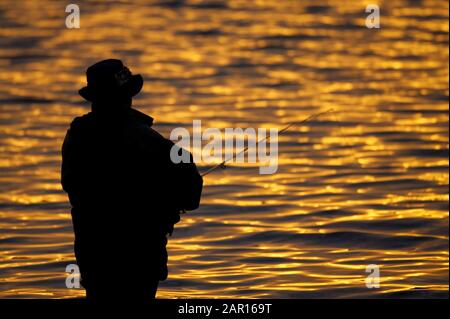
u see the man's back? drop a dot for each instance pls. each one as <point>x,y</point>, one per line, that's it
<point>126,196</point>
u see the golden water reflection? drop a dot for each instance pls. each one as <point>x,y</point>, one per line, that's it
<point>368,185</point>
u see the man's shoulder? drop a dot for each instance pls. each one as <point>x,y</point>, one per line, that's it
<point>81,121</point>
<point>155,137</point>
<point>141,117</point>
<point>146,127</point>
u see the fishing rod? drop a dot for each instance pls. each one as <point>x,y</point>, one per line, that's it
<point>309,118</point>
<point>222,164</point>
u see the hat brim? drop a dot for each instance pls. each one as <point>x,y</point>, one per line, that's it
<point>129,89</point>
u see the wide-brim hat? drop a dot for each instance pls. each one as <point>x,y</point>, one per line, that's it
<point>109,79</point>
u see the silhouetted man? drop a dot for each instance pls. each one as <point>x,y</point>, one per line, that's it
<point>125,192</point>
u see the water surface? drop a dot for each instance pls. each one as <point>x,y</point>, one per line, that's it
<point>368,185</point>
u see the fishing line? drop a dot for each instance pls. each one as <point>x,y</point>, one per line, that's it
<point>244,151</point>
<point>222,164</point>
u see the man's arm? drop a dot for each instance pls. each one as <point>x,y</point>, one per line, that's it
<point>190,183</point>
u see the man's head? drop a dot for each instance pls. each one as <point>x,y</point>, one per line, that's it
<point>109,81</point>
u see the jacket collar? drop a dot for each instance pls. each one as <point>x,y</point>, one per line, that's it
<point>142,117</point>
